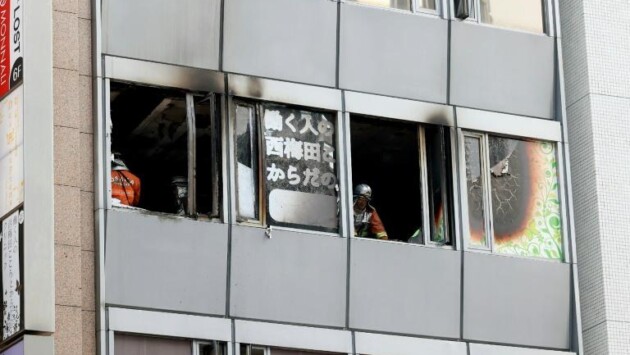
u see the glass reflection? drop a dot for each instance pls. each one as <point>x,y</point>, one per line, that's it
<point>525,199</point>
<point>246,162</point>
<point>396,4</point>
<point>474,185</point>
<point>526,15</point>
<point>427,4</point>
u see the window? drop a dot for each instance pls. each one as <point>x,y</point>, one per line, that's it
<point>407,166</point>
<point>127,344</point>
<point>211,348</point>
<point>512,196</point>
<point>265,350</point>
<point>525,15</point>
<point>286,170</point>
<point>131,344</point>
<point>165,150</point>
<point>401,4</point>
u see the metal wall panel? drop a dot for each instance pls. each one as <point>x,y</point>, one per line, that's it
<point>502,70</point>
<point>294,40</point>
<point>517,301</point>
<point>184,32</point>
<point>486,349</point>
<point>405,289</point>
<point>393,53</point>
<point>292,277</point>
<point>165,263</point>
<point>39,168</point>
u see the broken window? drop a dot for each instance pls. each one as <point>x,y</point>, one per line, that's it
<point>518,181</point>
<point>407,166</point>
<point>165,150</point>
<point>285,166</point>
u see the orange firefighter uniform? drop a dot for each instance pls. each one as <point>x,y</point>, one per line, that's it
<point>367,224</point>
<point>125,187</point>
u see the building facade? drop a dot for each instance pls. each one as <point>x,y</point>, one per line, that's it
<point>195,162</point>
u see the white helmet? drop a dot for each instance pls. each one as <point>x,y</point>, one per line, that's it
<point>363,190</point>
<point>117,163</point>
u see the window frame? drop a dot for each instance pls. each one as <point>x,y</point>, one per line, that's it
<point>258,107</point>
<point>217,213</point>
<point>488,207</point>
<point>414,8</point>
<point>423,166</point>
<point>475,17</point>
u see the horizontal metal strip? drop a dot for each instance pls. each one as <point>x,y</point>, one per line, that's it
<point>292,336</point>
<point>402,109</point>
<point>167,75</point>
<point>376,344</point>
<point>284,92</point>
<point>169,324</point>
<point>520,126</point>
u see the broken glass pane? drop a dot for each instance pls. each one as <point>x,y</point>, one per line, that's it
<point>300,167</point>
<point>525,199</point>
<point>474,186</point>
<point>246,162</point>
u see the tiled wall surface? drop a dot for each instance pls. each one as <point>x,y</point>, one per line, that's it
<point>74,195</point>
<point>596,45</point>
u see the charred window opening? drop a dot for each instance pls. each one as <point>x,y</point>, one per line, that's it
<point>513,193</point>
<point>407,167</point>
<point>285,166</point>
<point>165,150</point>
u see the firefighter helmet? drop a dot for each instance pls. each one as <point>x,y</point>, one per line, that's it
<point>363,190</point>
<point>118,163</point>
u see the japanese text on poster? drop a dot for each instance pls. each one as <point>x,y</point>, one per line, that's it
<point>300,165</point>
<point>11,152</point>
<point>11,307</point>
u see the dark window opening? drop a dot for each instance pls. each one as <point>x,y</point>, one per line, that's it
<point>390,156</point>
<point>165,144</point>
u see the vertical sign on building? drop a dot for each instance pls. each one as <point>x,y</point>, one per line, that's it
<point>11,61</point>
<point>11,280</point>
<point>11,151</point>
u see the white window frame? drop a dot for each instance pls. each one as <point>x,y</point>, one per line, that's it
<point>415,8</point>
<point>475,17</point>
<point>486,183</point>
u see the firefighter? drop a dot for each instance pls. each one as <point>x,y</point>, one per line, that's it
<point>367,223</point>
<point>125,185</point>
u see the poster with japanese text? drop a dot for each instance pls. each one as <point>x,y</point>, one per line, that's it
<point>11,280</point>
<point>300,168</point>
<point>11,151</point>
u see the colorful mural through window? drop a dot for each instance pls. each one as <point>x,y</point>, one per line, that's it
<point>517,181</point>
<point>525,200</point>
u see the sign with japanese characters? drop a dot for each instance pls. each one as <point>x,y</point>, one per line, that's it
<point>11,280</point>
<point>11,61</point>
<point>300,167</point>
<point>11,151</point>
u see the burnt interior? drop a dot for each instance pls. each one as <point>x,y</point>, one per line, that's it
<point>385,155</point>
<point>150,132</point>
